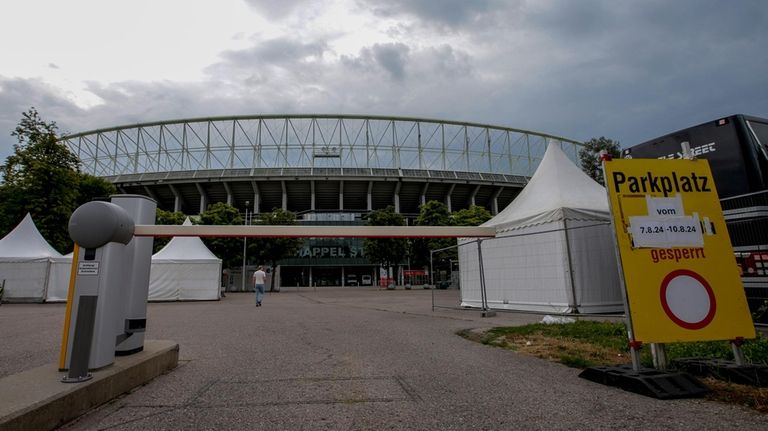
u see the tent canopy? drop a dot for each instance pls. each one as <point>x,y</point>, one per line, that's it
<point>185,248</point>
<point>25,242</point>
<point>553,251</point>
<point>185,270</point>
<point>558,190</point>
<point>25,261</point>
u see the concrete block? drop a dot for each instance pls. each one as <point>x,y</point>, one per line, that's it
<point>36,399</point>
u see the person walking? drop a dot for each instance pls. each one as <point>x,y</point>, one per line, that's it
<point>258,280</point>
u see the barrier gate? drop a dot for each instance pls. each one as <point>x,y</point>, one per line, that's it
<point>109,283</point>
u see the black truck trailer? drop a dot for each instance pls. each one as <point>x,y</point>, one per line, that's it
<point>737,150</point>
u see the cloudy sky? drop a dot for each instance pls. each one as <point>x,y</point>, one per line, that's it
<point>627,70</point>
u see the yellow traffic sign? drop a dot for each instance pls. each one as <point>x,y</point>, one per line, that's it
<point>680,275</point>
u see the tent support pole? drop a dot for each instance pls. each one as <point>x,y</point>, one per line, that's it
<point>432,280</point>
<point>432,292</point>
<point>574,304</point>
<point>431,270</point>
<point>483,295</point>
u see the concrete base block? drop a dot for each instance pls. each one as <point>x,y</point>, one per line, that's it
<point>37,399</point>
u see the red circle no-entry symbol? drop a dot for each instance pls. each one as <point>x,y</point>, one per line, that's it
<point>688,299</point>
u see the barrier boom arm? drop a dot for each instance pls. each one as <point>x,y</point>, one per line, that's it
<point>298,231</point>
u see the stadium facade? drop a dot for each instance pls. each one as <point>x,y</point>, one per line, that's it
<point>325,168</point>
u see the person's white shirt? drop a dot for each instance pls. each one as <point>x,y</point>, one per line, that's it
<point>259,277</point>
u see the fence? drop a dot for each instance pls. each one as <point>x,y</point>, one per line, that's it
<point>757,296</point>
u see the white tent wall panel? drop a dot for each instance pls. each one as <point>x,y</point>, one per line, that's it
<point>169,280</point>
<point>25,259</point>
<point>202,282</point>
<point>163,282</point>
<point>185,281</point>
<point>185,270</point>
<point>525,270</point>
<point>594,266</point>
<point>25,281</point>
<point>469,274</point>
<point>58,279</point>
<point>549,271</point>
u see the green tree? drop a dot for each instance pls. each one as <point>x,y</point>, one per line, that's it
<point>589,156</point>
<point>90,188</point>
<point>385,251</point>
<point>472,216</point>
<point>432,213</point>
<point>40,178</point>
<point>163,217</point>
<point>37,144</point>
<point>272,250</point>
<point>229,250</point>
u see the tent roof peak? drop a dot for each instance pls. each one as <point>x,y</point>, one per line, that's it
<point>557,184</point>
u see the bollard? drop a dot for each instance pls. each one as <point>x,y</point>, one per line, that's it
<point>101,230</point>
<point>130,332</point>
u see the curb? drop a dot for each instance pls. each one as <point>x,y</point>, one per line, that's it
<point>37,399</point>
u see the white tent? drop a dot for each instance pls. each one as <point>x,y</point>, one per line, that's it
<point>554,249</point>
<point>25,260</point>
<point>185,270</point>
<point>58,278</point>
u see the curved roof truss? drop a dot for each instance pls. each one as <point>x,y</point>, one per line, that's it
<point>312,141</point>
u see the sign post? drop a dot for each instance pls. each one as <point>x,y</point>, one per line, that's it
<point>679,271</point>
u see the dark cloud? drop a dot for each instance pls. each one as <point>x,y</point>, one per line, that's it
<point>276,9</point>
<point>446,61</point>
<point>625,70</point>
<point>640,70</point>
<point>447,13</point>
<point>275,52</point>
<point>391,58</point>
<point>123,103</point>
<point>260,65</point>
<point>18,95</point>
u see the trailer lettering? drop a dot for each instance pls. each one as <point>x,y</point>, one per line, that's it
<point>695,151</point>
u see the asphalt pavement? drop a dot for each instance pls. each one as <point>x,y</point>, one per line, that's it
<point>351,359</point>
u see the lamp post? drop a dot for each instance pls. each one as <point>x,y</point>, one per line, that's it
<point>245,242</point>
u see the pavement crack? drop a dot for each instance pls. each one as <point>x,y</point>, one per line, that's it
<point>408,389</point>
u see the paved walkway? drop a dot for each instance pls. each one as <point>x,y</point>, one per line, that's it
<point>351,359</point>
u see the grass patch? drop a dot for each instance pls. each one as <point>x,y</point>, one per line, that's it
<point>575,361</point>
<point>586,344</point>
<point>605,334</point>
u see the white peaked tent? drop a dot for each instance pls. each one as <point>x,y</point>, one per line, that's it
<point>554,249</point>
<point>185,270</point>
<point>25,260</point>
<point>58,278</point>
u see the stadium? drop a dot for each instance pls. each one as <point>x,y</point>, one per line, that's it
<point>324,168</point>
